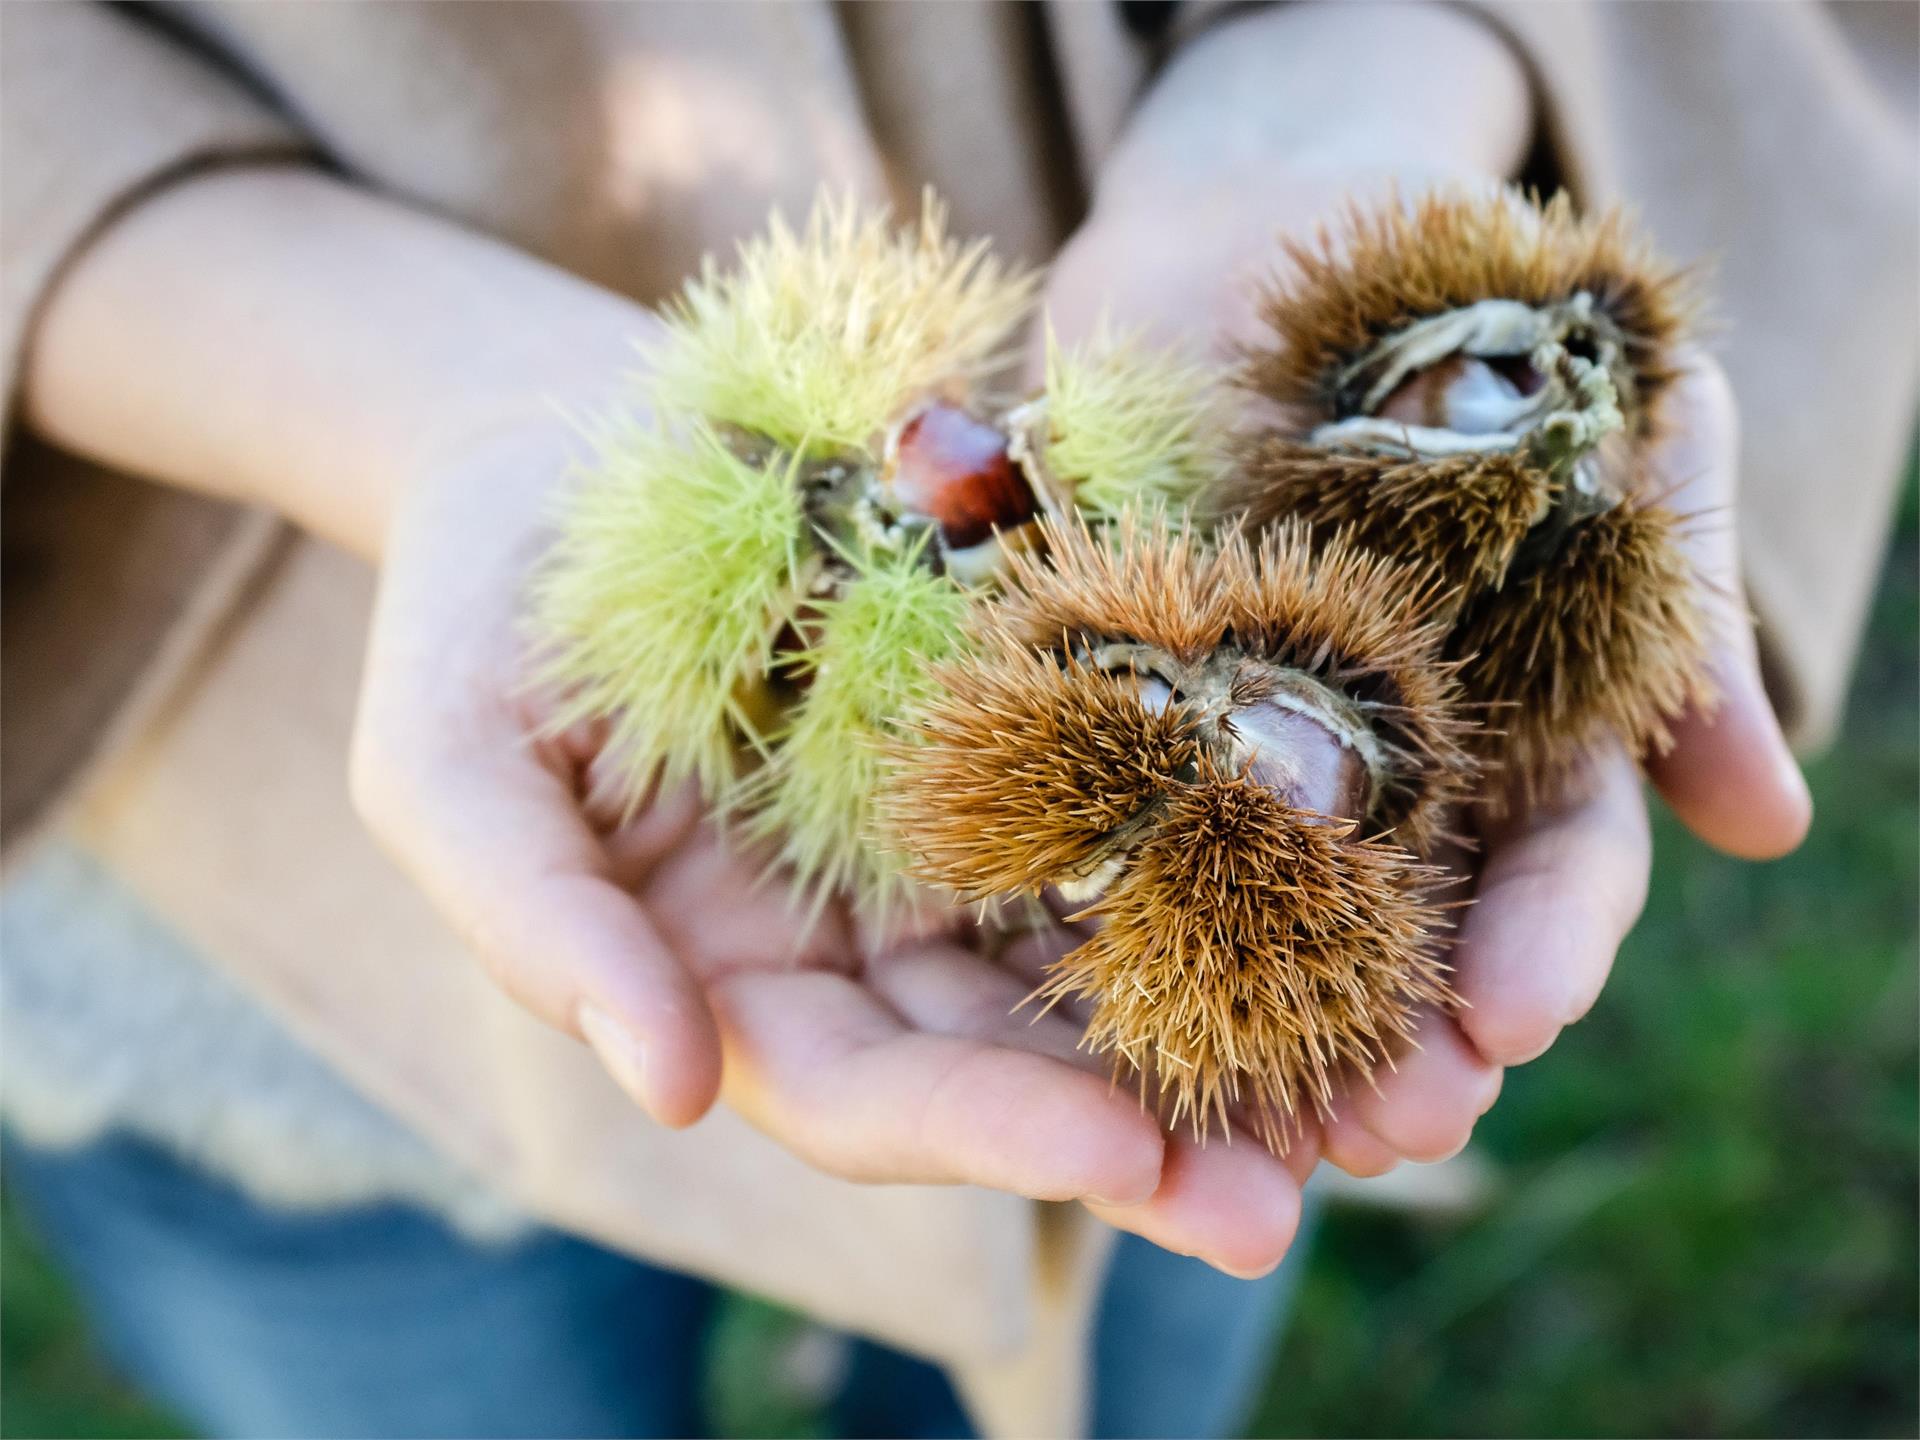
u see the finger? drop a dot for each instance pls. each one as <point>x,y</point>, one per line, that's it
<point>1034,954</point>
<point>495,840</point>
<point>944,989</point>
<point>635,845</point>
<point>1233,1205</point>
<point>824,1067</point>
<point>925,915</point>
<point>1424,1108</point>
<point>1066,912</point>
<point>1352,1147</point>
<point>1559,890</point>
<point>721,909</point>
<point>1244,1228</point>
<point>1031,953</point>
<point>1729,775</point>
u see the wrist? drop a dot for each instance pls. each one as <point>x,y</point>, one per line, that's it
<point>273,336</point>
<point>1287,110</point>
<point>515,428</point>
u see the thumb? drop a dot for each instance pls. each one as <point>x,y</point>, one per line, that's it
<point>1729,775</point>
<point>497,841</point>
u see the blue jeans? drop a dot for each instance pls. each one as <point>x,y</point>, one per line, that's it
<point>379,1321</point>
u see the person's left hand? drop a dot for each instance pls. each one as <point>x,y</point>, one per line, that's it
<point>1174,249</point>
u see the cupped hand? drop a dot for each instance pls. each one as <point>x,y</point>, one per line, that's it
<point>1555,888</point>
<point>652,939</point>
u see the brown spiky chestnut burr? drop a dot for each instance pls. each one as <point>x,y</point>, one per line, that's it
<point>1234,754</point>
<point>1474,383</point>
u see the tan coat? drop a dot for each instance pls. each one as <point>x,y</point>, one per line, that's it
<point>179,675</point>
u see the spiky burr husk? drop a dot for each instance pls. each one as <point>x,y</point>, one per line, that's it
<point>1253,955</point>
<point>815,338</point>
<point>1144,716</point>
<point>1388,269</point>
<point>1474,382</point>
<point>749,584</point>
<point>1365,628</point>
<point>741,584</point>
<point>1121,425</point>
<point>1604,645</point>
<point>1465,515</point>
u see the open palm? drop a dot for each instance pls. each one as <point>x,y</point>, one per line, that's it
<point>654,940</point>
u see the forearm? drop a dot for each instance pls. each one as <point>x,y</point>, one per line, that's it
<point>278,337</point>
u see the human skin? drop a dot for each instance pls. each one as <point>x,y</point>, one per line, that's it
<point>1416,101</point>
<point>386,380</point>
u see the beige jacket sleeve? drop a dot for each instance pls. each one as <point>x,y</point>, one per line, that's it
<point>97,110</point>
<point>1778,143</point>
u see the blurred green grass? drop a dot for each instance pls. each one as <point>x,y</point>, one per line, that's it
<point>52,1382</point>
<point>1707,1217</point>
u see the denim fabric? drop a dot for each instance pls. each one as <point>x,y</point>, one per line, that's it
<point>380,1321</point>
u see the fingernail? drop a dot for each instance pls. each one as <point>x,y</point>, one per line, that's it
<point>619,1049</point>
<point>1127,1202</point>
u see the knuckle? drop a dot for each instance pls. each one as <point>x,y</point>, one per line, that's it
<point>965,1104</point>
<point>381,770</point>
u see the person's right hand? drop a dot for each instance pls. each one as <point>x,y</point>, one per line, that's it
<point>380,377</point>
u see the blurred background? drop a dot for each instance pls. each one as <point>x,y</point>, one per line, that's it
<point>1700,1211</point>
